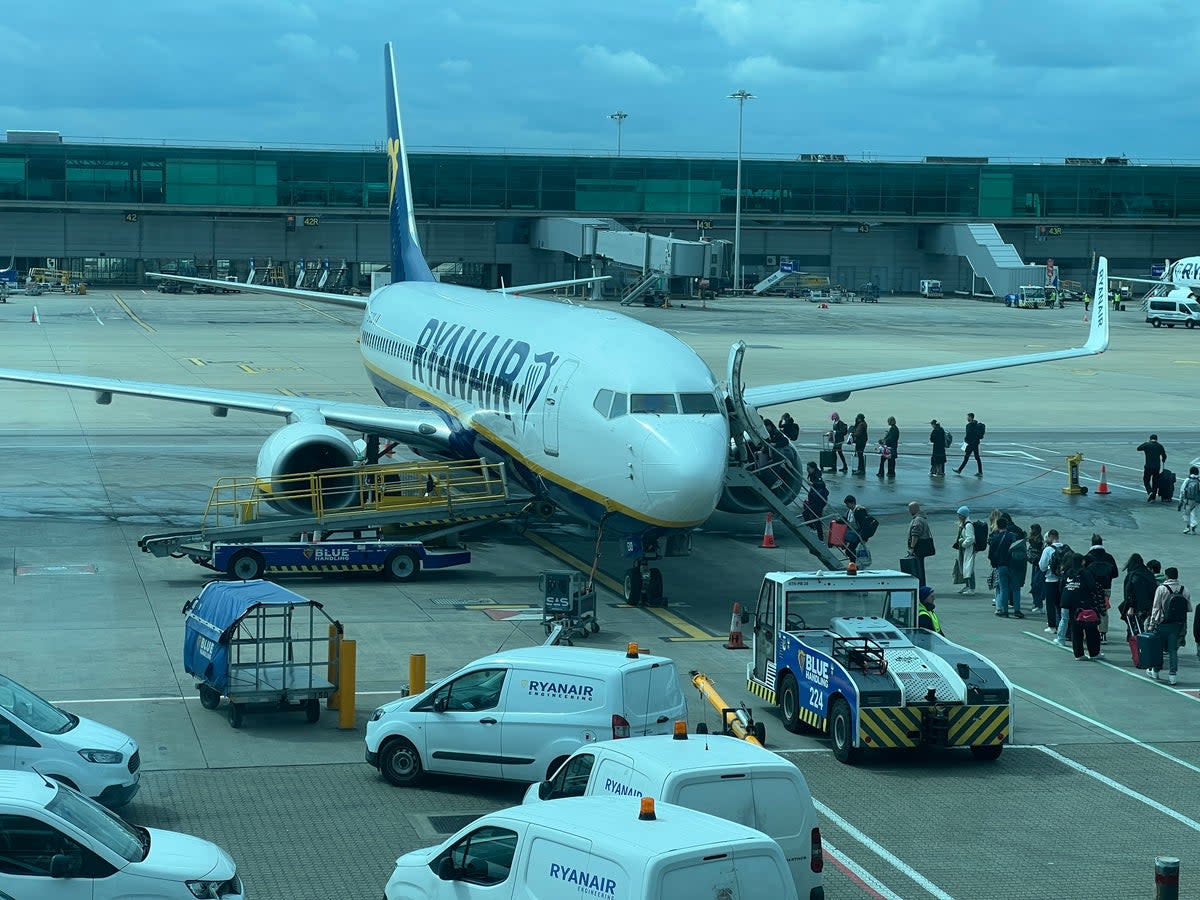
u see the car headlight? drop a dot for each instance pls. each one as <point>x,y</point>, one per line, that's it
<point>101,756</point>
<point>377,715</point>
<point>206,889</point>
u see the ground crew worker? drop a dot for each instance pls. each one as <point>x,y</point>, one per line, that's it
<point>926,617</point>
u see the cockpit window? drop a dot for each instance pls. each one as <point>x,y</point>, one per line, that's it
<point>659,404</point>
<point>697,403</point>
<point>603,402</point>
<point>620,406</point>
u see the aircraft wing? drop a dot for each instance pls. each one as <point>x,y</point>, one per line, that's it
<point>837,389</point>
<point>295,293</point>
<point>411,426</point>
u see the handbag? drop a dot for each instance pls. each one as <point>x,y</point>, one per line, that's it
<point>963,448</point>
<point>991,582</point>
<point>1087,617</point>
<point>925,547</point>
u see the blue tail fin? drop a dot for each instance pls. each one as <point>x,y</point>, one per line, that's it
<point>408,263</point>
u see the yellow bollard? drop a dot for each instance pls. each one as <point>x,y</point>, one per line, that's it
<point>1074,461</point>
<point>416,673</point>
<point>335,639</point>
<point>346,661</point>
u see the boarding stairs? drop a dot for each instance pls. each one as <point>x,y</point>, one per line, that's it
<point>989,256</point>
<point>772,280</point>
<point>639,288</point>
<point>427,500</point>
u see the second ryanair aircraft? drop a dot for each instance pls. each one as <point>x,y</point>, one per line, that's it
<point>612,420</point>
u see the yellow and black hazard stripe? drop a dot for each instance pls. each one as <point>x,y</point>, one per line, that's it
<point>889,726</point>
<point>760,690</point>
<point>811,719</point>
<point>443,520</point>
<point>328,567</point>
<point>978,726</point>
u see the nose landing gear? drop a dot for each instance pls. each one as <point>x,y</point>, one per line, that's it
<point>644,584</point>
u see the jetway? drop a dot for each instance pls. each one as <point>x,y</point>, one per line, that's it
<point>606,239</point>
<point>990,257</point>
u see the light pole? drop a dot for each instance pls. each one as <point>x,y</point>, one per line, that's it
<point>741,96</point>
<point>620,115</point>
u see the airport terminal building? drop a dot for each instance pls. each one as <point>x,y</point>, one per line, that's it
<point>115,211</point>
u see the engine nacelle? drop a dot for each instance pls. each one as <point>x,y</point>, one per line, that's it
<point>301,448</point>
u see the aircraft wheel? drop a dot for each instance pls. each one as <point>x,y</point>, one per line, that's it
<point>402,565</point>
<point>987,753</point>
<point>789,703</point>
<point>246,565</point>
<point>654,593</point>
<point>633,586</point>
<point>841,728</point>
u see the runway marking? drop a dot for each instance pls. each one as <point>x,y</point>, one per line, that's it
<point>325,313</point>
<point>196,361</point>
<point>1113,731</point>
<point>690,631</point>
<point>881,852</point>
<point>1138,674</point>
<point>1013,453</point>
<point>95,315</point>
<point>1111,484</point>
<point>287,392</point>
<point>857,874</point>
<point>1124,789</point>
<point>1111,465</point>
<point>136,318</point>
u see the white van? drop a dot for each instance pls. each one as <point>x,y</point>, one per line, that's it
<point>596,847</point>
<point>517,715</point>
<point>99,761</point>
<point>59,845</point>
<point>1172,312</point>
<point>712,773</point>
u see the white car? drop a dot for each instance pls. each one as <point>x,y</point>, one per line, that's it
<point>56,844</point>
<point>99,761</point>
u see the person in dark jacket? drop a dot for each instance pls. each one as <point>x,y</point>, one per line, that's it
<point>1104,569</point>
<point>1035,544</point>
<point>999,547</point>
<point>1155,455</point>
<point>814,503</point>
<point>840,430</point>
<point>1083,600</point>
<point>937,457</point>
<point>788,426</point>
<point>890,445</point>
<point>1018,568</point>
<point>859,433</point>
<point>1137,594</point>
<point>972,435</point>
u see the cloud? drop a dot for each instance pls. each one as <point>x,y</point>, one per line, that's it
<point>455,66</point>
<point>623,63</point>
<point>763,70</point>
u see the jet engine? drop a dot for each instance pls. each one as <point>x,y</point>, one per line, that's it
<point>301,448</point>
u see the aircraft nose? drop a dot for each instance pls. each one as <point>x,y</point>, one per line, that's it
<point>683,468</point>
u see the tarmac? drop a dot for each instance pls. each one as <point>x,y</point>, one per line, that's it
<point>1102,773</point>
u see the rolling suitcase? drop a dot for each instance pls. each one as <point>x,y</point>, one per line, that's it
<point>1166,485</point>
<point>1149,650</point>
<point>837,533</point>
<point>908,565</point>
<point>1132,630</point>
<point>828,461</point>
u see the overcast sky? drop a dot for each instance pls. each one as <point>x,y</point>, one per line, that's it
<point>901,78</point>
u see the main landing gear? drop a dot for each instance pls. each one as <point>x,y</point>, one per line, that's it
<point>644,584</point>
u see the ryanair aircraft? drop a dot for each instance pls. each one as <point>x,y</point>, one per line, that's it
<point>609,419</point>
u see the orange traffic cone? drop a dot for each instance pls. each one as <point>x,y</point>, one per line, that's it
<point>735,641</point>
<point>768,540</point>
<point>1102,488</point>
<point>33,317</point>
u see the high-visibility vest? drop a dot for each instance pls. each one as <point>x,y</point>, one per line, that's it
<point>924,610</point>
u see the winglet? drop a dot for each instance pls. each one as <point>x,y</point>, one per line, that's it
<point>408,263</point>
<point>1097,341</point>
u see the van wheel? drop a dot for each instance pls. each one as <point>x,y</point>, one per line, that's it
<point>1157,323</point>
<point>1170,324</point>
<point>841,728</point>
<point>400,763</point>
<point>246,565</point>
<point>789,703</point>
<point>210,698</point>
<point>402,565</point>
<point>1190,324</point>
<point>988,753</point>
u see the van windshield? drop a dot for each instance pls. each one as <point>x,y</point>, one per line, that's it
<point>1191,309</point>
<point>128,842</point>
<point>31,709</point>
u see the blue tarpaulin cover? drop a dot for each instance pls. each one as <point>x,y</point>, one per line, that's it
<point>213,616</point>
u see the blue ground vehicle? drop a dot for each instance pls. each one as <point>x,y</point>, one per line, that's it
<point>396,559</point>
<point>840,653</point>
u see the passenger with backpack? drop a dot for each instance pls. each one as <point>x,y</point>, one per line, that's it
<point>862,527</point>
<point>1081,602</point>
<point>1189,500</point>
<point>966,545</point>
<point>1168,620</point>
<point>1137,602</point>
<point>1051,565</point>
<point>1035,544</point>
<point>999,547</point>
<point>971,438</point>
<point>1104,569</point>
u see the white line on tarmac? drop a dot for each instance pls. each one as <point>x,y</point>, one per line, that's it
<point>1111,484</point>
<point>856,873</point>
<point>882,853</point>
<point>1127,737</point>
<point>1124,789</point>
<point>1132,673</point>
<point>1111,465</point>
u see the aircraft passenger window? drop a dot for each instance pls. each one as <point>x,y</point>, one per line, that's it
<point>697,403</point>
<point>603,402</point>
<point>620,407</point>
<point>657,404</point>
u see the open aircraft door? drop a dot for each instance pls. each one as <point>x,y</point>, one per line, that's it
<point>744,420</point>
<point>552,405</point>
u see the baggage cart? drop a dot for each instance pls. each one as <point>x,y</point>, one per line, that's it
<point>569,601</point>
<point>260,646</point>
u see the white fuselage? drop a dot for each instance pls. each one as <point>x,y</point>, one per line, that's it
<point>524,380</point>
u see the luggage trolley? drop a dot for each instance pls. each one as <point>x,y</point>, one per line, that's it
<point>260,646</point>
<point>568,601</point>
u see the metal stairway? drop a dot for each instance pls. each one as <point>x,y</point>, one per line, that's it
<point>990,257</point>
<point>638,289</point>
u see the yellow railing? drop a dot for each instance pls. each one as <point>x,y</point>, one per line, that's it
<point>333,494</point>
